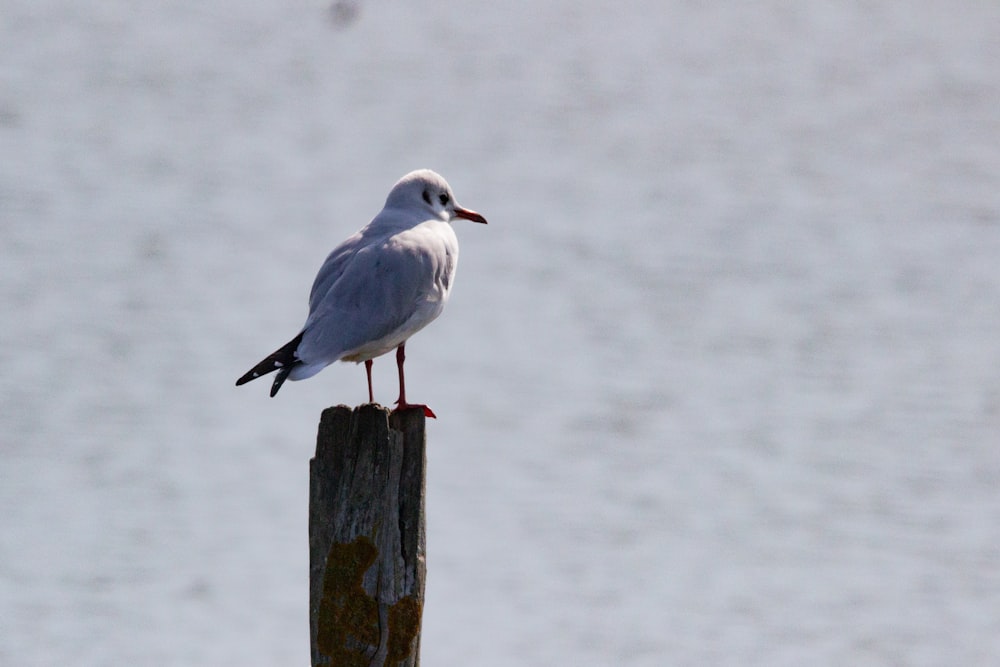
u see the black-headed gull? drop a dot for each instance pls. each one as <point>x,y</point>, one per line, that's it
<point>379,287</point>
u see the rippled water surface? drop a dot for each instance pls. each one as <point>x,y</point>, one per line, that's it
<point>719,383</point>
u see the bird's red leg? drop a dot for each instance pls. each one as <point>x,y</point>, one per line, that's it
<point>401,404</point>
<point>368,372</point>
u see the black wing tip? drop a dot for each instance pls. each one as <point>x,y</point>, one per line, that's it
<point>263,368</point>
<point>282,360</point>
<point>246,378</point>
<point>279,380</point>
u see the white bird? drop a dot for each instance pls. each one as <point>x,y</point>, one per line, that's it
<point>379,287</point>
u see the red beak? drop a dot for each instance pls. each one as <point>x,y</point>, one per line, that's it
<point>469,215</point>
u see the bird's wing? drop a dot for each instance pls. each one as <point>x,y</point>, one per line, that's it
<point>333,267</point>
<point>368,293</point>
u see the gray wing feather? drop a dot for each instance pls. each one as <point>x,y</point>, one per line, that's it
<point>366,290</point>
<point>333,267</point>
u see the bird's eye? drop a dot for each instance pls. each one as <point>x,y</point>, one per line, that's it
<point>427,197</point>
<point>444,198</point>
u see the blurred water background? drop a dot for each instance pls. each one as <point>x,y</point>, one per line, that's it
<point>719,383</point>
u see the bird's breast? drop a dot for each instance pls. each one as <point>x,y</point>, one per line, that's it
<point>432,250</point>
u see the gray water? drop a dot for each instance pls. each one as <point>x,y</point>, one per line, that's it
<point>719,383</point>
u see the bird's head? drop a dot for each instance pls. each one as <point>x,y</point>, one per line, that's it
<point>426,191</point>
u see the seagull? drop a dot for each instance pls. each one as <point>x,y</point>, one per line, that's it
<point>379,287</point>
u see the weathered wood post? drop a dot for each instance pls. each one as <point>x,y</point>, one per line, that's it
<point>367,537</point>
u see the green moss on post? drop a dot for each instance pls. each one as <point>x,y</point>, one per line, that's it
<point>367,537</point>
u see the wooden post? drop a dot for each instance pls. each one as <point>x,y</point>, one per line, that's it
<point>367,537</point>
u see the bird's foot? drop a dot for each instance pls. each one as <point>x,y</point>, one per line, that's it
<point>407,406</point>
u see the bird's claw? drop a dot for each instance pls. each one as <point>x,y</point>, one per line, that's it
<point>407,406</point>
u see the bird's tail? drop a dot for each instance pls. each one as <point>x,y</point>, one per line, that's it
<point>282,360</point>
